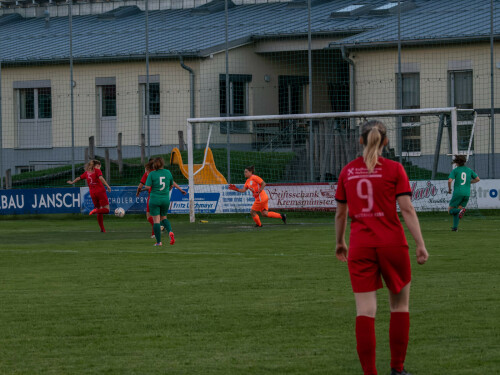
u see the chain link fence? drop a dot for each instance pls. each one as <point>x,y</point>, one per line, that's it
<point>117,81</point>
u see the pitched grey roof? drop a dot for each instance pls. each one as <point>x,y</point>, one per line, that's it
<point>434,21</point>
<point>180,32</point>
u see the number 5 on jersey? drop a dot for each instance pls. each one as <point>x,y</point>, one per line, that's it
<point>162,183</point>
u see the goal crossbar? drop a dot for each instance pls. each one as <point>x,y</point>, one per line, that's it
<point>452,111</point>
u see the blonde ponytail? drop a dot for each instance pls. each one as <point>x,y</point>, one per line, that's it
<point>89,166</point>
<point>373,134</point>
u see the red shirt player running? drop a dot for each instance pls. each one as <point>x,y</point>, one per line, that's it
<point>256,185</point>
<point>369,188</point>
<point>96,183</point>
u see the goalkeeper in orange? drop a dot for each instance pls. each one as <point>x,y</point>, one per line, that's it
<point>256,185</point>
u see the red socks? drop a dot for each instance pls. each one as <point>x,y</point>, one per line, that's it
<point>256,218</point>
<point>399,331</point>
<point>150,219</point>
<point>274,215</point>
<point>101,221</point>
<point>398,336</point>
<point>101,211</point>
<point>366,343</point>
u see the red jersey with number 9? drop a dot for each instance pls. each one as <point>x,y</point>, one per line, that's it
<point>371,200</point>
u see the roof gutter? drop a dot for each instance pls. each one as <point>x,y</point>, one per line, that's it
<point>412,42</point>
<point>352,78</point>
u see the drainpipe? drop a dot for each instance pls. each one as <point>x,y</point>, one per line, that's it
<point>191,85</point>
<point>352,90</point>
<point>352,77</point>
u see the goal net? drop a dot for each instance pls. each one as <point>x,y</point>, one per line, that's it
<point>300,156</point>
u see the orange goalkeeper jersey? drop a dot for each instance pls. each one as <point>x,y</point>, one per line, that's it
<point>253,184</point>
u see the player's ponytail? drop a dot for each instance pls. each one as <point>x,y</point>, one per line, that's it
<point>158,163</point>
<point>149,166</point>
<point>373,134</point>
<point>90,165</point>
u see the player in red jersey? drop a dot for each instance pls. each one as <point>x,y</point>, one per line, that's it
<point>147,168</point>
<point>256,185</point>
<point>369,188</point>
<point>96,183</point>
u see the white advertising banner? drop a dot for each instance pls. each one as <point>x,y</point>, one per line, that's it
<point>302,196</point>
<point>487,193</point>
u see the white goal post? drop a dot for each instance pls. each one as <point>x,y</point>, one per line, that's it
<point>451,111</point>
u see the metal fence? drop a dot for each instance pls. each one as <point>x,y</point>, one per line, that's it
<point>117,81</point>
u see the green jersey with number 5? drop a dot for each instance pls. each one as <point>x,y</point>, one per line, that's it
<point>462,176</point>
<point>160,182</point>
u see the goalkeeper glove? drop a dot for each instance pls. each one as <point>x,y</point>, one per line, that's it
<point>232,187</point>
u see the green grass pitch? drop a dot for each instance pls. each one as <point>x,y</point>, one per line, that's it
<point>232,299</point>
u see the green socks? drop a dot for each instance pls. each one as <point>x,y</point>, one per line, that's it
<point>454,212</point>
<point>166,224</point>
<point>157,230</point>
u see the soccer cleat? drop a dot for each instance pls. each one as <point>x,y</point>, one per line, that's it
<point>283,217</point>
<point>158,244</point>
<point>258,226</point>
<point>93,211</point>
<point>162,228</point>
<point>172,238</point>
<point>461,213</point>
<point>454,229</point>
<point>394,372</point>
<point>152,236</point>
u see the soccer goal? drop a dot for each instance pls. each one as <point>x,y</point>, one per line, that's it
<point>300,156</point>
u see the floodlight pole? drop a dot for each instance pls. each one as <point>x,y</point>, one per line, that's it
<point>1,138</point>
<point>147,79</point>
<point>71,84</point>
<point>228,96</point>
<point>309,63</point>
<point>399,130</point>
<point>492,88</point>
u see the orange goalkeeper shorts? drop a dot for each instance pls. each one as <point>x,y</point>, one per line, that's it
<point>260,206</point>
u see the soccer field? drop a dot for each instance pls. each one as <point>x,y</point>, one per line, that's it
<point>231,299</point>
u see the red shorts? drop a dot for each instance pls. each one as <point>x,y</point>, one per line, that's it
<point>260,206</point>
<point>100,199</point>
<point>368,264</point>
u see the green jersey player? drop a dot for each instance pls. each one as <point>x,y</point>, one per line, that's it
<point>159,183</point>
<point>463,177</point>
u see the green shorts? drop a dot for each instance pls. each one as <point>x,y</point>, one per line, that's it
<point>459,200</point>
<point>158,207</point>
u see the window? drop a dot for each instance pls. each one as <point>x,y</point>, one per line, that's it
<point>461,96</point>
<point>238,100</point>
<point>35,103</point>
<point>292,94</point>
<point>154,99</point>
<point>108,100</point>
<point>350,8</point>
<point>387,6</point>
<point>25,169</point>
<point>33,106</point>
<point>411,124</point>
